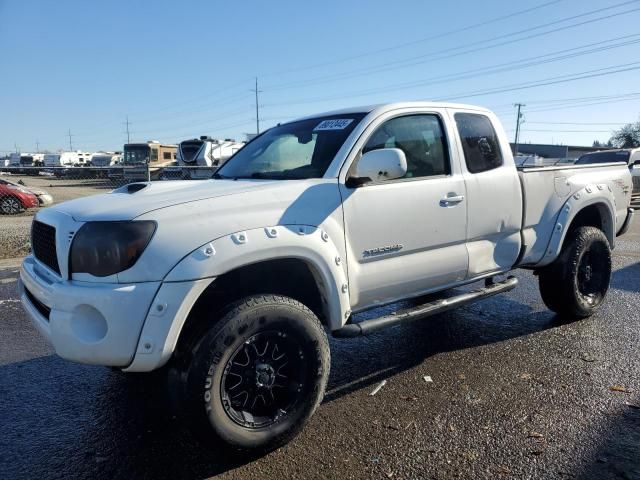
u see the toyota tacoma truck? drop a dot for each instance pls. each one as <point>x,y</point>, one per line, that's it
<point>234,283</point>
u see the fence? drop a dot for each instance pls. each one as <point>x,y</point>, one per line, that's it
<point>24,190</point>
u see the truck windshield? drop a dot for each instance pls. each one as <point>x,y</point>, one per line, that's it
<point>136,154</point>
<point>295,150</point>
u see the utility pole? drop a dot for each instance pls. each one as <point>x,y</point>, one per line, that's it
<point>256,91</point>
<point>127,123</point>
<point>518,122</point>
<point>15,145</point>
<point>70,144</point>
<point>37,146</point>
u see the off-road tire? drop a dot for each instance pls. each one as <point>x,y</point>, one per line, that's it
<point>205,396</point>
<point>576,283</point>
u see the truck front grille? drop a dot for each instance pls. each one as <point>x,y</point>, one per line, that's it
<point>636,184</point>
<point>43,243</point>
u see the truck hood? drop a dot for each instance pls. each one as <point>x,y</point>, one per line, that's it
<point>191,213</point>
<point>134,200</point>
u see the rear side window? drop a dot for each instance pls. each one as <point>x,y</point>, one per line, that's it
<point>479,142</point>
<point>166,155</point>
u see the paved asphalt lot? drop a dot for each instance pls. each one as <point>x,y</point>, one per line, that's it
<point>516,393</point>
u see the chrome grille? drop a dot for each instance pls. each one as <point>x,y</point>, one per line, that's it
<point>636,184</point>
<point>43,243</point>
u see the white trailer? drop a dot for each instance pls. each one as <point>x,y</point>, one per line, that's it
<point>67,159</point>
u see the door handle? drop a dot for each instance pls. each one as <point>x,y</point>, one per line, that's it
<point>451,199</point>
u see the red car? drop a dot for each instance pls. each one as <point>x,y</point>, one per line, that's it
<point>14,199</point>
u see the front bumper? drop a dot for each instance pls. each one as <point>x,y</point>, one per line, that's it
<point>133,326</point>
<point>92,323</point>
<point>45,199</point>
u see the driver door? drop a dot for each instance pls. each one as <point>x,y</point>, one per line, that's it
<point>407,236</point>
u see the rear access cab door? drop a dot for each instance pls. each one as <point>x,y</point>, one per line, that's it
<point>494,193</point>
<point>406,236</point>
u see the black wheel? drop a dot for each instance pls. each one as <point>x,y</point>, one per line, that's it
<point>258,374</point>
<point>10,206</point>
<point>576,284</point>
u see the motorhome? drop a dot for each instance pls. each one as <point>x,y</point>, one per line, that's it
<point>145,161</point>
<point>199,158</point>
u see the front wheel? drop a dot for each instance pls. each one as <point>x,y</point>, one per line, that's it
<point>10,206</point>
<point>576,284</point>
<point>258,374</point>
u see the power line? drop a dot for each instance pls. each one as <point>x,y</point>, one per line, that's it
<point>447,53</point>
<point>497,68</point>
<point>599,72</point>
<point>421,40</point>
<point>568,131</point>
<point>578,123</point>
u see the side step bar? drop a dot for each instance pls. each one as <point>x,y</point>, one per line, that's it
<point>426,310</point>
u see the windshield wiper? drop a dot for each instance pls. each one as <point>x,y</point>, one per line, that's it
<point>218,176</point>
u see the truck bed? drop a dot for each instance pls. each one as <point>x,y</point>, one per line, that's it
<point>547,189</point>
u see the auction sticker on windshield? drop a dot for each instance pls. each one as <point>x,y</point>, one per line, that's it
<point>337,124</point>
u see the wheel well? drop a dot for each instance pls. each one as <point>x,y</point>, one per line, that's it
<point>595,215</point>
<point>291,277</point>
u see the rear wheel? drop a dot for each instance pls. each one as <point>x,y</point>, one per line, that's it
<point>10,206</point>
<point>576,284</point>
<point>258,374</point>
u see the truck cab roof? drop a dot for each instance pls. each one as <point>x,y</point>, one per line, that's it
<point>386,107</point>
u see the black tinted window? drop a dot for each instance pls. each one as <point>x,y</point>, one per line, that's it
<point>421,138</point>
<point>604,157</point>
<point>479,142</point>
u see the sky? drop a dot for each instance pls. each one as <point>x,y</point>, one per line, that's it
<point>178,70</point>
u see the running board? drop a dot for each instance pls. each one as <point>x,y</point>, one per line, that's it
<point>367,327</point>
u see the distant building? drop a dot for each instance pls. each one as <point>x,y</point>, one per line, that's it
<point>553,151</point>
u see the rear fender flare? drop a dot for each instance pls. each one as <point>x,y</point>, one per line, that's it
<point>592,194</point>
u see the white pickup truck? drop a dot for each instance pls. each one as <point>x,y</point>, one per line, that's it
<point>233,282</point>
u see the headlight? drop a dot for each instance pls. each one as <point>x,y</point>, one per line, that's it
<point>106,248</point>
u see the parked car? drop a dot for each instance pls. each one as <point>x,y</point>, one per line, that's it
<point>234,282</point>
<point>15,198</point>
<point>626,155</point>
<point>630,156</point>
<point>44,198</point>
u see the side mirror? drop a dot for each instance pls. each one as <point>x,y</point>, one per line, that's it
<point>379,165</point>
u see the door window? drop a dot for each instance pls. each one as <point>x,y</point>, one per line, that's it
<point>421,138</point>
<point>479,142</point>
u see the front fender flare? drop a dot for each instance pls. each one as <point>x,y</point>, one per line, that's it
<point>308,243</point>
